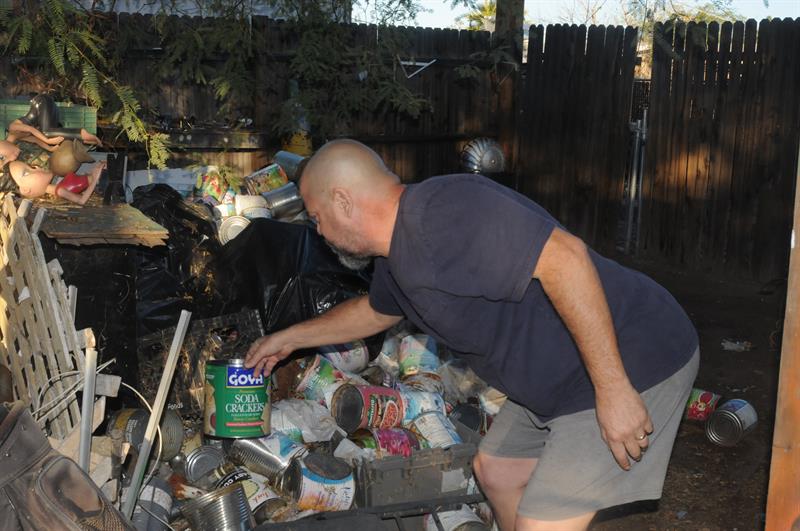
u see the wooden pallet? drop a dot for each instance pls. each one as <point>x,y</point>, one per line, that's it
<point>38,340</point>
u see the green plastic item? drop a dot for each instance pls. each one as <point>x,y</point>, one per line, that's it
<point>70,115</point>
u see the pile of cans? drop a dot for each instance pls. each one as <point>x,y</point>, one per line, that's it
<point>258,459</point>
<point>726,422</point>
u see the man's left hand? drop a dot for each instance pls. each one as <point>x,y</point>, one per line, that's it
<point>624,423</point>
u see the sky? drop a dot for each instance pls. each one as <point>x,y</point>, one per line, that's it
<point>441,15</point>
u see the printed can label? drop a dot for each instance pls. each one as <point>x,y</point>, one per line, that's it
<point>391,441</point>
<point>383,407</point>
<point>701,404</point>
<point>742,409</point>
<point>350,357</point>
<point>236,402</point>
<point>318,493</point>
<point>417,354</point>
<point>319,375</point>
<point>436,430</point>
<point>418,402</point>
<point>451,520</point>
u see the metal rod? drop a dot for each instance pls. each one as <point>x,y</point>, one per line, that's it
<point>641,181</point>
<point>87,409</point>
<point>632,183</point>
<point>158,408</point>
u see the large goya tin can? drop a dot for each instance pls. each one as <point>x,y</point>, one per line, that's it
<point>236,401</point>
<point>730,422</point>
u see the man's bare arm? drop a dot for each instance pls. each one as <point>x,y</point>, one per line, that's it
<point>348,321</point>
<point>570,280</point>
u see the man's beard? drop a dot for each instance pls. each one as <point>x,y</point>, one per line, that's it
<point>353,261</point>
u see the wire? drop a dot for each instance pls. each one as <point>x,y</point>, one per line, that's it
<point>56,401</point>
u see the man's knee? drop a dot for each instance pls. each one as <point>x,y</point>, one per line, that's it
<point>502,473</point>
<point>576,523</point>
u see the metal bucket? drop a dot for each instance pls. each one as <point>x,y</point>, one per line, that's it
<point>222,510</point>
<point>269,456</point>
<point>284,202</point>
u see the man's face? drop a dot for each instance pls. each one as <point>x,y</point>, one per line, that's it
<point>341,232</point>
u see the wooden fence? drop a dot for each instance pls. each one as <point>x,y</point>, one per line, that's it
<point>573,133</point>
<point>721,158</point>
<point>415,149</point>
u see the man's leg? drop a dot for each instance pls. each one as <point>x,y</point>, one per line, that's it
<point>576,523</point>
<point>503,481</point>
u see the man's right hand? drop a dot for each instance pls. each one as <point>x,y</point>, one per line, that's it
<point>266,352</point>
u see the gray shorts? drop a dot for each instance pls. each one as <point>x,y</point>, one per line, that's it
<point>576,472</point>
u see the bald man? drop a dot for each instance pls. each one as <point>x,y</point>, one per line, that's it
<point>597,360</point>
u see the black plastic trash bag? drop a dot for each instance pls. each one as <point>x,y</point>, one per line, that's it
<point>285,270</point>
<point>170,278</point>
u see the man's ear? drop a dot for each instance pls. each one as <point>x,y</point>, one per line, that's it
<point>343,201</point>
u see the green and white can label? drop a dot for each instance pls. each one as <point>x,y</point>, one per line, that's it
<point>236,402</point>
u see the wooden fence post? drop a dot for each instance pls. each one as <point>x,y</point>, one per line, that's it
<point>783,496</point>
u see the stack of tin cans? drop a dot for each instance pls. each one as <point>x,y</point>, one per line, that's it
<point>257,462</point>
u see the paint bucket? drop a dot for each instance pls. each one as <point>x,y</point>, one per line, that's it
<point>350,357</point>
<point>318,375</point>
<point>236,401</point>
<point>222,510</point>
<point>425,381</point>
<point>201,461</point>
<point>730,422</point>
<point>415,403</point>
<point>155,502</point>
<point>133,423</point>
<point>701,404</point>
<point>436,430</point>
<point>231,226</point>
<point>385,442</point>
<point>462,519</point>
<point>269,456</point>
<point>320,482</point>
<point>366,406</point>
<point>417,353</point>
<point>284,202</point>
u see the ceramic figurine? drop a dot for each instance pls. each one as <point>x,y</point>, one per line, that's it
<point>31,183</point>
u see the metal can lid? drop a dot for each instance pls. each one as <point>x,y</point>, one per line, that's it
<point>231,227</point>
<point>201,461</point>
<point>347,407</point>
<point>724,428</point>
<point>233,362</point>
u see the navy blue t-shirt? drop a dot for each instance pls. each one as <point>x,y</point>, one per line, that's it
<point>460,268</point>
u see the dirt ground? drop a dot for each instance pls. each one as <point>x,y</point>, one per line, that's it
<point>709,487</point>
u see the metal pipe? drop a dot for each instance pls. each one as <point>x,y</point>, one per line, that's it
<point>641,181</point>
<point>632,183</point>
<point>158,408</point>
<point>87,408</point>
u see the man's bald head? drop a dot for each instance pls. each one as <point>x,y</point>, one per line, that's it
<point>345,164</point>
<point>352,198</point>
